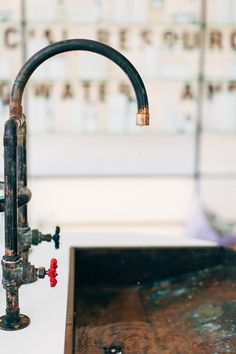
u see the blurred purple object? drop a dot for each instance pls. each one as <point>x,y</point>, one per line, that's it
<point>208,226</point>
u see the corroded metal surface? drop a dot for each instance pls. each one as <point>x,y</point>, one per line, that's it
<point>182,315</point>
<point>10,180</point>
<point>15,109</point>
<point>22,172</point>
<point>23,322</point>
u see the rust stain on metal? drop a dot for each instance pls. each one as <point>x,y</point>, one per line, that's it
<point>20,138</point>
<point>21,218</point>
<point>12,299</point>
<point>9,252</point>
<point>6,185</point>
<point>15,108</point>
<point>195,314</point>
<point>142,117</point>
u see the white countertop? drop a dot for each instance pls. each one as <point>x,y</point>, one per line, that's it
<point>46,306</point>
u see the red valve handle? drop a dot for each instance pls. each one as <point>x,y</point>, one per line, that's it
<point>52,272</point>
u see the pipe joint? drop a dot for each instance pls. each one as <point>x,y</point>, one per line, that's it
<point>15,110</point>
<point>12,273</point>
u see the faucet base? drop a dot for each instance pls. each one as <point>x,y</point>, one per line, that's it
<point>24,321</point>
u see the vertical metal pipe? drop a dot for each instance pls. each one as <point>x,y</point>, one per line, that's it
<point>22,173</point>
<point>12,272</point>
<point>12,306</point>
<point>10,179</point>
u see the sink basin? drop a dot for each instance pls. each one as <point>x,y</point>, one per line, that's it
<point>151,300</point>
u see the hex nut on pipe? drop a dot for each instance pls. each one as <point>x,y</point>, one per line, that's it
<point>41,272</point>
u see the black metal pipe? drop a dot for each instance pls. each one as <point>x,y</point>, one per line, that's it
<point>12,309</point>
<point>10,180</point>
<point>86,45</point>
<point>22,172</point>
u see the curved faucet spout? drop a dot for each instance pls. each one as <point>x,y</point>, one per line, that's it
<point>85,45</point>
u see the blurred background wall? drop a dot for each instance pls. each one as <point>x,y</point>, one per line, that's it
<point>90,167</point>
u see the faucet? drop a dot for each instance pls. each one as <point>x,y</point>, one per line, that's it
<point>16,271</point>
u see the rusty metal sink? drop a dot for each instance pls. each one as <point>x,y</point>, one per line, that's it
<point>151,301</point>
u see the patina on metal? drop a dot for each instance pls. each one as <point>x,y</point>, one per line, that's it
<point>152,300</point>
<point>22,172</point>
<point>18,235</point>
<point>12,280</point>
<point>10,180</point>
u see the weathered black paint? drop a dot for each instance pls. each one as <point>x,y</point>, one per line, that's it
<point>10,179</point>
<point>74,45</point>
<point>22,172</point>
